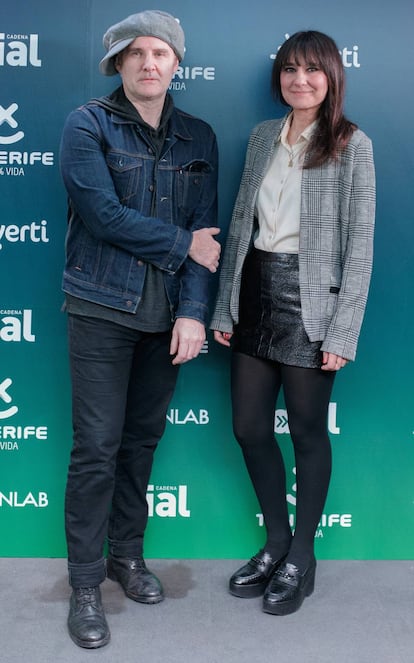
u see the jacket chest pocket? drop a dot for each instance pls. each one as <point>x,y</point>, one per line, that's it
<point>190,180</point>
<point>126,171</point>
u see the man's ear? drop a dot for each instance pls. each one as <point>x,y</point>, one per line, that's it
<point>118,61</point>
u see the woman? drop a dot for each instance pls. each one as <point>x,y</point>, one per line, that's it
<point>292,295</point>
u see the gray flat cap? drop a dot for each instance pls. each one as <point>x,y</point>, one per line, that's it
<point>150,23</point>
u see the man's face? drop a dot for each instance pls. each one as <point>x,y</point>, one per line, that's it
<point>146,67</point>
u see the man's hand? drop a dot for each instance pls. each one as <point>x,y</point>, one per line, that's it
<point>204,249</point>
<point>187,339</point>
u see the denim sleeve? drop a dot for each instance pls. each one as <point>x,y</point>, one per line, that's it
<point>91,190</point>
<point>195,279</point>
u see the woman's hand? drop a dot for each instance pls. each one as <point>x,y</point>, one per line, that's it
<point>331,362</point>
<point>223,338</point>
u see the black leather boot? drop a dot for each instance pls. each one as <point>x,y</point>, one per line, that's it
<point>138,583</point>
<point>86,622</point>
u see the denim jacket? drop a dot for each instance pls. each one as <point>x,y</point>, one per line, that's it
<point>128,209</point>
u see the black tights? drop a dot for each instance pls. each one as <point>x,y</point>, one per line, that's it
<point>255,387</point>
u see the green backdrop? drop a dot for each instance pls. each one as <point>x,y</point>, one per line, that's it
<point>201,501</point>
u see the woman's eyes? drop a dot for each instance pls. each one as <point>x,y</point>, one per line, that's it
<point>291,70</point>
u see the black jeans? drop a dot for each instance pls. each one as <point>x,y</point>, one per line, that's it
<point>122,384</point>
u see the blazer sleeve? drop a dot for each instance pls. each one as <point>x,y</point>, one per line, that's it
<point>225,314</point>
<point>357,255</point>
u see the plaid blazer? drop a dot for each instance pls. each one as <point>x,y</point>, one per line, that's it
<point>335,240</point>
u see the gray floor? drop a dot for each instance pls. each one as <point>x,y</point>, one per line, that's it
<point>360,612</point>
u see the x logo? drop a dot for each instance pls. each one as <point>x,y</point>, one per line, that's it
<point>6,115</point>
<point>7,399</point>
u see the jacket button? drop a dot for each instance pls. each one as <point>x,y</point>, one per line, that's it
<point>140,263</point>
<point>129,303</point>
<point>151,187</point>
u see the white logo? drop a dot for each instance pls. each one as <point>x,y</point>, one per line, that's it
<point>204,348</point>
<point>6,115</point>
<point>167,501</point>
<point>35,232</point>
<point>15,326</point>
<point>327,519</point>
<point>12,162</point>
<point>16,53</point>
<point>176,416</point>
<point>291,498</point>
<point>349,56</point>
<point>282,425</point>
<point>281,422</point>
<point>4,396</point>
<point>14,499</point>
<point>185,74</point>
<point>10,435</point>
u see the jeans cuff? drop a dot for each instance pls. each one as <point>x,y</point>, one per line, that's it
<point>128,549</point>
<point>87,575</point>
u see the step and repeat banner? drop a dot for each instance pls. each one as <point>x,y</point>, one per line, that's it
<point>200,500</point>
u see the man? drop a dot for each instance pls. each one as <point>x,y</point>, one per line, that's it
<point>141,178</point>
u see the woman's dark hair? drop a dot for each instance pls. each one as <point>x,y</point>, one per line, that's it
<point>334,130</point>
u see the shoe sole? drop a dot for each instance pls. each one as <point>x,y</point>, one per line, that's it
<point>146,599</point>
<point>286,607</point>
<point>85,644</point>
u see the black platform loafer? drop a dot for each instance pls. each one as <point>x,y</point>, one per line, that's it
<point>251,579</point>
<point>288,588</point>
<point>86,622</point>
<point>138,583</point>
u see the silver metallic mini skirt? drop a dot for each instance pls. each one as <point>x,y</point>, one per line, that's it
<point>270,324</point>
